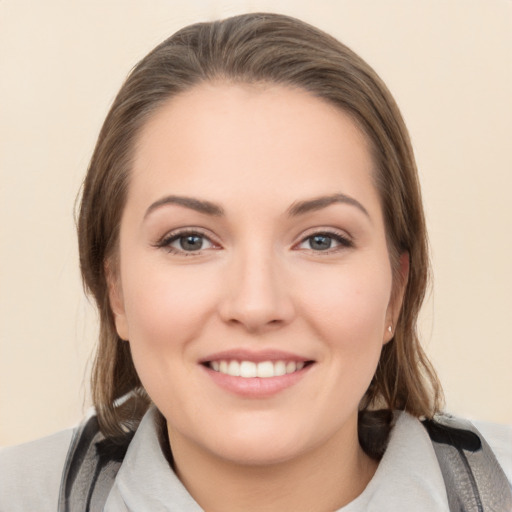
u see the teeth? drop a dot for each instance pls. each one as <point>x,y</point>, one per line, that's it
<point>279,368</point>
<point>291,366</point>
<point>234,368</point>
<point>249,369</point>
<point>265,369</point>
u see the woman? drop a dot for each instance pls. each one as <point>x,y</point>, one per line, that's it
<point>251,229</point>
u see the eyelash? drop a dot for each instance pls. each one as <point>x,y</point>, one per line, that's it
<point>340,237</point>
<point>168,239</point>
<point>165,243</point>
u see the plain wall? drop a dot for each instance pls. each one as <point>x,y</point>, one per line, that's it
<point>448,63</point>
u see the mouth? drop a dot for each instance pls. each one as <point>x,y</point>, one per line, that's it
<point>251,369</point>
<point>256,375</point>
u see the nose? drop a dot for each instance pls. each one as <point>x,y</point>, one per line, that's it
<point>256,296</point>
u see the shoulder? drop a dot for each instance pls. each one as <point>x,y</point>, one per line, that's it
<point>499,438</point>
<point>31,473</point>
<point>495,438</point>
<point>473,462</point>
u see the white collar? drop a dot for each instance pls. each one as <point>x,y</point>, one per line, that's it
<point>408,477</point>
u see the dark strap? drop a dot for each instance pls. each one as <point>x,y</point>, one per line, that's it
<point>474,480</point>
<point>91,468</point>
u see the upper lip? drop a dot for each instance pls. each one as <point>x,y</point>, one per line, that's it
<point>256,356</point>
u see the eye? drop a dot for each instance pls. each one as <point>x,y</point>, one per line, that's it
<point>186,242</point>
<point>324,242</point>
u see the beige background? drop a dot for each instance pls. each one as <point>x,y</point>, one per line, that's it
<point>448,62</point>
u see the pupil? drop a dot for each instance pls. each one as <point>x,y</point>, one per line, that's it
<point>320,242</point>
<point>191,242</point>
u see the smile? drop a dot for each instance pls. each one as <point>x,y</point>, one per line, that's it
<point>250,369</point>
<point>256,374</point>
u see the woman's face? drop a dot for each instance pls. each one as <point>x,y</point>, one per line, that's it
<point>253,243</point>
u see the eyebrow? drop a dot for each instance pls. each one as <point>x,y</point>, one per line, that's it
<point>297,208</point>
<point>301,207</point>
<point>201,206</point>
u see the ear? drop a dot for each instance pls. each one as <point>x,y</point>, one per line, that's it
<point>400,279</point>
<point>115,295</point>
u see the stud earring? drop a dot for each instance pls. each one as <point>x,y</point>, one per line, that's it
<point>390,329</point>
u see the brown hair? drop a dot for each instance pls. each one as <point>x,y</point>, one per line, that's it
<point>267,48</point>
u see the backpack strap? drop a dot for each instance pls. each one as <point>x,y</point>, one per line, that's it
<point>91,467</point>
<point>475,482</point>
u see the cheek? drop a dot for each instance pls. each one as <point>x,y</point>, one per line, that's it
<point>165,306</point>
<point>166,310</point>
<point>350,303</point>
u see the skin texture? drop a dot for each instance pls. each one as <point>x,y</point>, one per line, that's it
<point>256,284</point>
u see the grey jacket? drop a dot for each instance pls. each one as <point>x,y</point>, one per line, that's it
<point>408,478</point>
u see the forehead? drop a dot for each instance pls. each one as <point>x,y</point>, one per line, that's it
<point>230,139</point>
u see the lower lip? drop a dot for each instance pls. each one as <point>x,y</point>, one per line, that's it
<point>256,387</point>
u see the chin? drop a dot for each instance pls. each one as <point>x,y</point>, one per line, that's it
<point>262,452</point>
<point>259,443</point>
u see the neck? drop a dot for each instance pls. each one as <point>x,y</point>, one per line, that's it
<point>323,479</point>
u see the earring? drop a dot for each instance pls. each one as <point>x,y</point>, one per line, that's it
<point>390,329</point>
